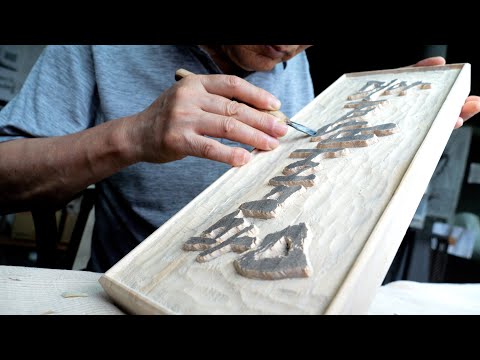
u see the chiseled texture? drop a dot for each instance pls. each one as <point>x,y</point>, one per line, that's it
<point>72,88</point>
<point>281,255</point>
<point>357,212</point>
<point>34,291</point>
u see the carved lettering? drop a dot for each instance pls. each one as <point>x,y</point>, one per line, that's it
<point>350,125</point>
<point>224,228</point>
<point>402,87</point>
<point>365,104</point>
<point>281,255</point>
<point>240,242</point>
<point>308,165</point>
<point>268,207</point>
<point>370,88</point>
<point>395,88</point>
<point>361,109</point>
<point>324,153</point>
<point>348,139</point>
<point>294,179</point>
<point>378,130</point>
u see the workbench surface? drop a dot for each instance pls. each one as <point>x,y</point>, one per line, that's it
<point>29,291</point>
<point>26,290</point>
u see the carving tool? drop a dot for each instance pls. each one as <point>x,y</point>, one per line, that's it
<point>181,73</point>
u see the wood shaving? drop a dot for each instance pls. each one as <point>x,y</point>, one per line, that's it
<point>72,294</point>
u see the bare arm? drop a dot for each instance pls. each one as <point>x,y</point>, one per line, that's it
<point>36,171</point>
<point>54,169</point>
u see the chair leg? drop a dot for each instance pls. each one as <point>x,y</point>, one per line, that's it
<point>86,205</point>
<point>46,235</point>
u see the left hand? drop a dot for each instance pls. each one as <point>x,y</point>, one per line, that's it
<point>472,104</point>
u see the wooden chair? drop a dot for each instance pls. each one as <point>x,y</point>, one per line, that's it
<point>48,233</point>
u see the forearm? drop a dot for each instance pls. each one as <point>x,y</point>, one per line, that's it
<point>181,122</point>
<point>52,170</point>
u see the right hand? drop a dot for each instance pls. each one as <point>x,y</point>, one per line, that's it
<point>177,123</point>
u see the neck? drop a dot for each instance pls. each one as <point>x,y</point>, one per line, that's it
<point>223,61</point>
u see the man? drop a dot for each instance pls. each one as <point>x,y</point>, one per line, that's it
<point>114,116</point>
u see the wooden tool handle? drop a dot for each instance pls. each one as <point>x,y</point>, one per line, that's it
<point>181,73</point>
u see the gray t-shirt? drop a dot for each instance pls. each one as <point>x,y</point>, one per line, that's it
<point>72,88</point>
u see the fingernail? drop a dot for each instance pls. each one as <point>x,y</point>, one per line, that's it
<point>275,104</point>
<point>459,123</point>
<point>280,129</point>
<point>244,158</point>
<point>272,143</point>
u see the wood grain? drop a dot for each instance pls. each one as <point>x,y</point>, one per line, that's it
<point>357,212</point>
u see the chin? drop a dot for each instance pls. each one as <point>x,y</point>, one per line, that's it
<point>261,64</point>
<point>254,57</point>
<point>265,67</point>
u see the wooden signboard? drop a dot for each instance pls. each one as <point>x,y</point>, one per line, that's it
<point>313,226</point>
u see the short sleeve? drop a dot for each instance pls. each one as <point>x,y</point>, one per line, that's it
<point>59,96</point>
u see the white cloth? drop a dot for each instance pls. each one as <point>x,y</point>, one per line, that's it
<point>413,298</point>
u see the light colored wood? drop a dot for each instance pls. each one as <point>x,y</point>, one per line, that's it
<point>182,73</point>
<point>357,213</point>
<point>35,291</point>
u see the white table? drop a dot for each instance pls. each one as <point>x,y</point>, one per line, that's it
<point>26,290</point>
<point>29,291</point>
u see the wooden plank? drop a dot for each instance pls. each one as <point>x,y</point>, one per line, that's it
<point>356,209</point>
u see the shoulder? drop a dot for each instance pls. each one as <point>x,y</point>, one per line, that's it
<point>63,60</point>
<point>65,51</point>
<point>139,57</point>
<point>152,52</point>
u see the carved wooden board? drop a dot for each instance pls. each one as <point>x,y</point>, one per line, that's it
<point>311,227</point>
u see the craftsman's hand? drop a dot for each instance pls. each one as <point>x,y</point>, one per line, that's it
<point>182,120</point>
<point>472,104</point>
